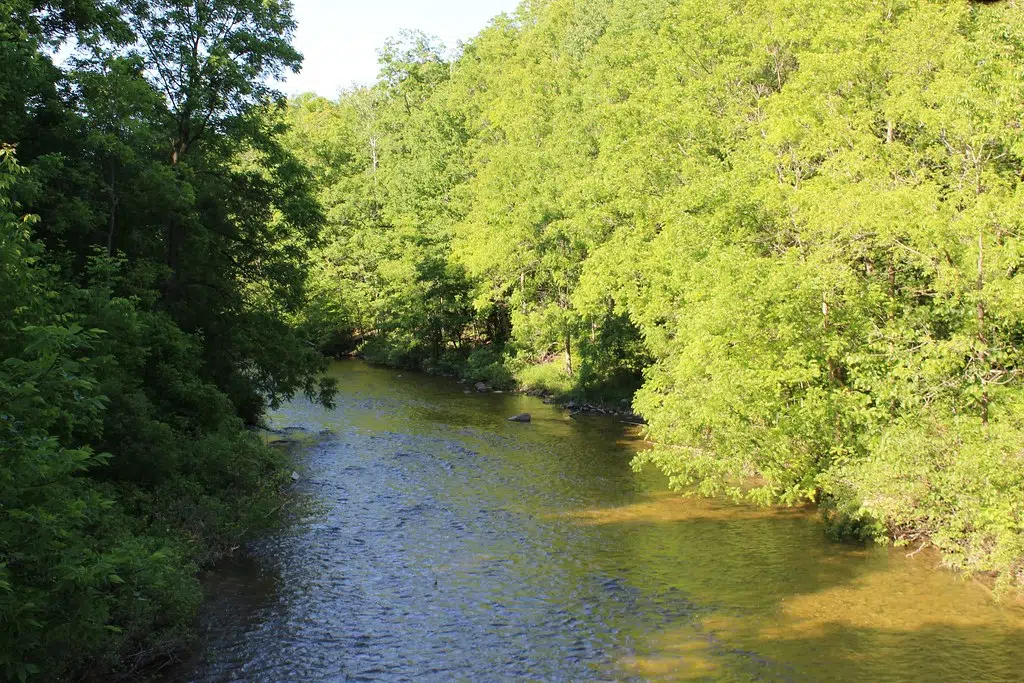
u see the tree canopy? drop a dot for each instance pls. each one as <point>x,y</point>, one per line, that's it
<point>154,246</point>
<point>792,228</point>
<point>788,232</point>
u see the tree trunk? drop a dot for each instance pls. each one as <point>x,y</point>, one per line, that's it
<point>568,354</point>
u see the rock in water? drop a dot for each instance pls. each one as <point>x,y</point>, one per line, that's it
<point>522,417</point>
<point>481,387</point>
<point>295,476</point>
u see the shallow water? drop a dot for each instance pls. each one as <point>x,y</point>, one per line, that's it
<point>454,545</point>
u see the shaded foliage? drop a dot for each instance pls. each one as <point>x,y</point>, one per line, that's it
<point>154,240</point>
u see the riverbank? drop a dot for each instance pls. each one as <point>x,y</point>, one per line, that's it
<point>562,562</point>
<point>844,518</point>
<point>805,259</point>
<point>546,380</point>
<point>198,531</point>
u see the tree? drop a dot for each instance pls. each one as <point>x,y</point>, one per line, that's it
<point>212,59</point>
<point>801,238</point>
<point>124,391</point>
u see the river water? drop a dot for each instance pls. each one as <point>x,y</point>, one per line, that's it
<point>450,544</point>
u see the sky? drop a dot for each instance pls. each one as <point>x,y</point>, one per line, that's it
<point>339,38</point>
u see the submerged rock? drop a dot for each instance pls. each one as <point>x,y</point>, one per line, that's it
<point>522,417</point>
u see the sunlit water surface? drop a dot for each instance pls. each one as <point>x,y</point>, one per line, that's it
<point>451,544</point>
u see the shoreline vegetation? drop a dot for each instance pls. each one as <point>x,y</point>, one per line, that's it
<point>990,580</point>
<point>791,245</point>
<point>154,240</point>
<point>566,401</point>
<point>786,234</point>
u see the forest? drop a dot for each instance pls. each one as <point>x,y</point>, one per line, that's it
<point>786,233</point>
<point>154,242</point>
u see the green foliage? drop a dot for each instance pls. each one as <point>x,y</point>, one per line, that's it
<point>387,159</point>
<point>548,377</point>
<point>154,249</point>
<point>489,365</point>
<point>796,224</point>
<point>77,586</point>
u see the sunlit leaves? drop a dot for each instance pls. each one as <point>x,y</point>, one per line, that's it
<point>800,218</point>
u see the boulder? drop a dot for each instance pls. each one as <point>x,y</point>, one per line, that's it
<point>522,417</point>
<point>481,387</point>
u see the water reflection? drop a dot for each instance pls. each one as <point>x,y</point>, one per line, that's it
<point>454,545</point>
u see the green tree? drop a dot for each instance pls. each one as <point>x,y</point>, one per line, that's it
<point>794,222</point>
<point>128,368</point>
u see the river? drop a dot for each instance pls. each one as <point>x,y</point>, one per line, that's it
<point>450,544</point>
